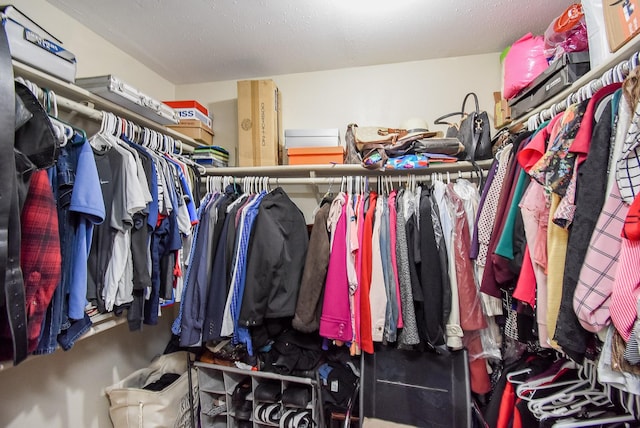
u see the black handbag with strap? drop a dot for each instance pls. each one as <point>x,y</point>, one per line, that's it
<point>473,130</point>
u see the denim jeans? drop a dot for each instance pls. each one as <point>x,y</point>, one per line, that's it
<point>159,249</point>
<point>56,322</point>
<point>62,178</point>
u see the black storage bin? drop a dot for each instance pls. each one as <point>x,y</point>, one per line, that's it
<point>417,388</point>
<point>561,74</point>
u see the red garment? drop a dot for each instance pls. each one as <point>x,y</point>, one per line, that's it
<point>40,256</point>
<point>537,147</point>
<point>526,288</point>
<point>478,375</point>
<point>582,141</point>
<point>471,315</point>
<point>517,419</point>
<point>366,338</point>
<point>507,406</point>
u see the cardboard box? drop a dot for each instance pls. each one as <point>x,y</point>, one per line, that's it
<point>188,104</point>
<point>196,130</point>
<point>259,123</point>
<point>622,20</point>
<point>501,111</point>
<point>311,137</point>
<point>315,155</point>
<point>194,114</point>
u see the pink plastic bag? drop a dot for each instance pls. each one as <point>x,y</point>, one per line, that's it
<point>524,62</point>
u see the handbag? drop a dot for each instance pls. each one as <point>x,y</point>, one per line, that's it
<point>134,406</point>
<point>473,131</point>
<point>373,145</point>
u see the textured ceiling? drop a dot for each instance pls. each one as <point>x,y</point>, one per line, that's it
<point>193,41</point>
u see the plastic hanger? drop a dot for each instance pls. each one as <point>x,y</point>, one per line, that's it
<point>579,423</point>
<point>572,399</point>
<point>511,377</point>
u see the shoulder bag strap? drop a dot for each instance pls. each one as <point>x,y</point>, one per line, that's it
<point>476,131</point>
<point>475,98</point>
<point>440,120</point>
<point>11,281</point>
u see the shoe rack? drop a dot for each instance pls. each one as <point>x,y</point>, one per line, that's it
<point>227,398</point>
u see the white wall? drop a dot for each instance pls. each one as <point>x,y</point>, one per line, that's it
<point>383,95</point>
<point>65,390</point>
<point>95,55</point>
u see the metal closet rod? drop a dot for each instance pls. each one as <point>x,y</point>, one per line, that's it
<point>444,176</point>
<point>96,115</point>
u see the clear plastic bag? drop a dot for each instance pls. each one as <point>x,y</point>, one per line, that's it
<point>567,33</point>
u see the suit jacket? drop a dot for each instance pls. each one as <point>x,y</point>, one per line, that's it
<point>275,260</point>
<point>309,304</point>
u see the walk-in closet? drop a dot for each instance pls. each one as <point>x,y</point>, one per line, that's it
<point>319,214</point>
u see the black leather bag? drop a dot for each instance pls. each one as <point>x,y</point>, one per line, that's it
<point>473,130</point>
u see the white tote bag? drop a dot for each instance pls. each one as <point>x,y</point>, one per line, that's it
<point>135,407</point>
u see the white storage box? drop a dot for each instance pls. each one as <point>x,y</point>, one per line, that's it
<point>117,91</point>
<point>32,45</point>
<point>194,113</point>
<point>329,137</point>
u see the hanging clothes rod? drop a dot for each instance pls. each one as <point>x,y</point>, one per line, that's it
<point>96,115</point>
<point>616,73</point>
<point>443,176</point>
<point>339,170</point>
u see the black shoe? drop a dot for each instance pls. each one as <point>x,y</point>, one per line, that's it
<point>241,406</point>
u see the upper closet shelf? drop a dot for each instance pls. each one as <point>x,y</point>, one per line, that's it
<point>74,98</point>
<point>620,57</point>
<point>337,170</point>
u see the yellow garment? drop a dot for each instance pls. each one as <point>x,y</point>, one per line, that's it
<point>557,240</point>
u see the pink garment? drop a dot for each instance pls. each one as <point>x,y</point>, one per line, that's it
<point>592,296</point>
<point>393,218</point>
<point>335,321</point>
<point>531,218</point>
<point>535,202</point>
<point>352,273</point>
<point>626,289</point>
<point>360,214</point>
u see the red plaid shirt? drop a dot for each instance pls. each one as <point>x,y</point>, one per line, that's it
<point>40,256</point>
<point>40,260</point>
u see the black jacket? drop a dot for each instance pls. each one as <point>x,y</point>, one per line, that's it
<point>275,260</point>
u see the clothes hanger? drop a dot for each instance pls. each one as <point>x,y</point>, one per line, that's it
<point>571,404</point>
<point>511,377</point>
<point>590,422</point>
<point>544,382</point>
<point>71,133</point>
<point>571,399</point>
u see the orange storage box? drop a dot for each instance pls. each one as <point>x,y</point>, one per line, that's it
<point>315,155</point>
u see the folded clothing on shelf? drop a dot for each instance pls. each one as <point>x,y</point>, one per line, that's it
<point>211,155</point>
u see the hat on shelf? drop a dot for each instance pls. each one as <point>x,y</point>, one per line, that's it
<point>416,126</point>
